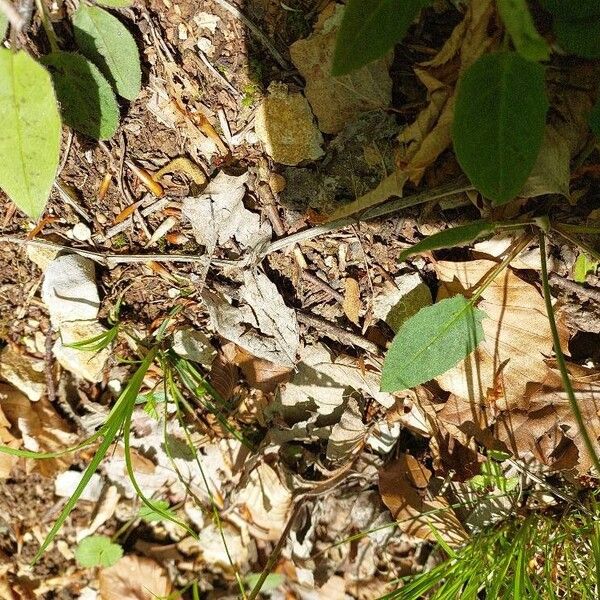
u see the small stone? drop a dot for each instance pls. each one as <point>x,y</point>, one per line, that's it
<point>24,372</point>
<point>84,364</point>
<point>81,232</point>
<point>277,183</point>
<point>101,218</point>
<point>65,484</point>
<point>285,125</point>
<point>69,289</point>
<point>42,257</point>
<point>195,346</point>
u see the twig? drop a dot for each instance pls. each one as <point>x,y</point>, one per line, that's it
<point>575,288</point>
<point>262,38</point>
<point>17,22</point>
<point>382,210</point>
<point>346,337</point>
<point>67,199</point>
<point>323,285</point>
<point>216,73</point>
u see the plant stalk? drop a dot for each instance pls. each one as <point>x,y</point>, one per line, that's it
<point>560,359</point>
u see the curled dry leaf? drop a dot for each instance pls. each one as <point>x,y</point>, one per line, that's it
<point>352,303</point>
<point>403,485</point>
<point>517,336</point>
<point>134,578</point>
<point>347,436</point>
<point>224,375</point>
<point>262,325</point>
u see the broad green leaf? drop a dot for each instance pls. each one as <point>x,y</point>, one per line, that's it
<point>3,25</point>
<point>106,42</point>
<point>499,123</point>
<point>87,101</point>
<point>580,37</point>
<point>370,28</point>
<point>156,512</point>
<point>519,24</point>
<point>115,3</point>
<point>572,9</point>
<point>595,119</point>
<point>30,131</point>
<point>436,339</point>
<point>98,551</point>
<point>456,236</point>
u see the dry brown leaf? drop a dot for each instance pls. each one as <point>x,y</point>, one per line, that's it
<point>134,578</point>
<point>261,374</point>
<point>431,133</point>
<point>541,427</point>
<point>352,303</point>
<point>7,462</point>
<point>399,485</point>
<point>517,336</point>
<point>40,426</point>
<point>224,373</point>
<point>338,100</point>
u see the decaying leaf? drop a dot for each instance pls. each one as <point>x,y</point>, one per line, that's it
<point>263,325</point>
<point>338,100</point>
<point>403,486</point>
<point>134,578</point>
<point>218,215</point>
<point>517,336</point>
<point>7,462</point>
<point>261,374</point>
<point>546,422</point>
<point>348,435</point>
<point>268,500</point>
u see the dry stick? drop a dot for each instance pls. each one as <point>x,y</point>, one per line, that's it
<point>323,285</point>
<point>575,288</point>
<point>328,328</point>
<point>374,212</point>
<point>48,362</point>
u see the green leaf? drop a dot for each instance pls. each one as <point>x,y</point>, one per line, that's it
<point>157,512</point>
<point>115,3</point>
<point>436,339</point>
<point>107,42</point>
<point>499,123</point>
<point>3,25</point>
<point>370,28</point>
<point>595,119</point>
<point>98,551</point>
<point>572,9</point>
<point>580,37</point>
<point>456,236</point>
<point>272,582</point>
<point>30,131</point>
<point>87,101</point>
<point>583,265</point>
<point>519,24</point>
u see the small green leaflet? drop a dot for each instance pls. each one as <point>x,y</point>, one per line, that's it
<point>106,42</point>
<point>98,551</point>
<point>519,24</point>
<point>499,123</point>
<point>370,28</point>
<point>456,236</point>
<point>583,265</point>
<point>159,512</point>
<point>31,131</point>
<point>87,101</point>
<point>436,339</point>
<point>595,119</point>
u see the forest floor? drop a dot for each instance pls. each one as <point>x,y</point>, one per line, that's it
<point>259,143</point>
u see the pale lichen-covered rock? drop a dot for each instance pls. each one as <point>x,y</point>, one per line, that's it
<point>338,100</point>
<point>285,125</point>
<point>24,372</point>
<point>69,289</point>
<point>42,257</point>
<point>84,364</point>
